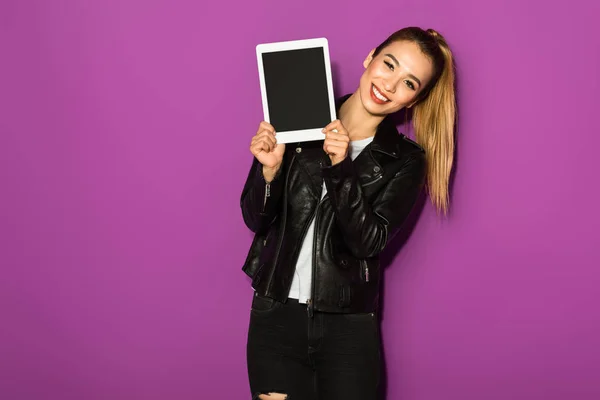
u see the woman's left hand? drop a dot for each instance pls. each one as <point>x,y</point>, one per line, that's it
<point>336,141</point>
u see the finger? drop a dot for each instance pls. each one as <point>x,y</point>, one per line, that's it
<point>333,151</point>
<point>333,125</point>
<point>280,147</point>
<point>268,140</point>
<point>269,137</point>
<point>266,133</point>
<point>336,127</point>
<point>255,140</point>
<point>268,126</point>
<point>340,132</point>
<point>337,143</point>
<point>273,140</point>
<point>265,126</point>
<point>333,146</point>
<point>269,143</point>
<point>258,148</point>
<point>337,136</point>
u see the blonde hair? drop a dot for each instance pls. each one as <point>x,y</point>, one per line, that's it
<point>434,113</point>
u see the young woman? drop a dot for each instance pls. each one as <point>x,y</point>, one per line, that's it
<point>323,211</point>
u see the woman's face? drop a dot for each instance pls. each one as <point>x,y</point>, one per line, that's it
<point>394,78</point>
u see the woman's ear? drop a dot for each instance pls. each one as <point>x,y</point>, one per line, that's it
<point>368,59</point>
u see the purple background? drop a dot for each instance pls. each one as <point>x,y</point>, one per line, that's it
<point>124,133</point>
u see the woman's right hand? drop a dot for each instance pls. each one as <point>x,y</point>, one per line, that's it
<point>266,150</point>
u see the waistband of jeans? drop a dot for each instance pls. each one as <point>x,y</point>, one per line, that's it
<point>294,302</point>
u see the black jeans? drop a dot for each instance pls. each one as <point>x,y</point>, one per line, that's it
<point>326,356</point>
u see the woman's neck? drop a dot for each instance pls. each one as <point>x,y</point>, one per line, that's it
<point>359,123</point>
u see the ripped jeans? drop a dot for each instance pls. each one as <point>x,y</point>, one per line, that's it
<point>329,356</point>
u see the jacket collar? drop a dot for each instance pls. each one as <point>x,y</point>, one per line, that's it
<point>387,139</point>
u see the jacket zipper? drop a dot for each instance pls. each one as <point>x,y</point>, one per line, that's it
<point>310,304</point>
<point>267,195</point>
<point>303,236</point>
<point>363,263</point>
<point>373,181</point>
<point>365,268</point>
<point>266,238</point>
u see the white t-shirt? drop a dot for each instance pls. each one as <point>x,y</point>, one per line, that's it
<point>301,284</point>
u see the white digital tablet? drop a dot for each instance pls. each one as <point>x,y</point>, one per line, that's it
<point>296,88</point>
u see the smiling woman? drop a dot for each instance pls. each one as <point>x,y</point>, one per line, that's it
<point>322,213</point>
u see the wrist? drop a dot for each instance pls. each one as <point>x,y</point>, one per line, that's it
<point>269,173</point>
<point>337,160</point>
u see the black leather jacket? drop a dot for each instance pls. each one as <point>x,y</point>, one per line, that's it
<point>367,201</point>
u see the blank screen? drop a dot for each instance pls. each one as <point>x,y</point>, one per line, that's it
<point>296,86</point>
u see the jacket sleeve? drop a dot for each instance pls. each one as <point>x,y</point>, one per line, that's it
<point>367,228</point>
<point>260,201</point>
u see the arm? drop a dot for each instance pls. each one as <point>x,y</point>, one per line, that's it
<point>261,199</point>
<point>367,228</point>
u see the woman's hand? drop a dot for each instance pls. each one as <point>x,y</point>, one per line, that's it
<point>266,150</point>
<point>336,141</point>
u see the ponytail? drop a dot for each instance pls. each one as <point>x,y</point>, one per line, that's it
<point>433,122</point>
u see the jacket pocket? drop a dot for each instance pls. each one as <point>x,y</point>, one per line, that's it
<point>262,304</point>
<point>252,263</point>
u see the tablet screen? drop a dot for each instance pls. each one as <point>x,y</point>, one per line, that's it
<point>296,86</point>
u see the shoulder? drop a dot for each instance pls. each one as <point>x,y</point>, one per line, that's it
<point>388,140</point>
<point>410,145</point>
<point>408,157</point>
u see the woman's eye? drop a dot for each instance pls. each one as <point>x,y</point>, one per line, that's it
<point>410,85</point>
<point>389,65</point>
